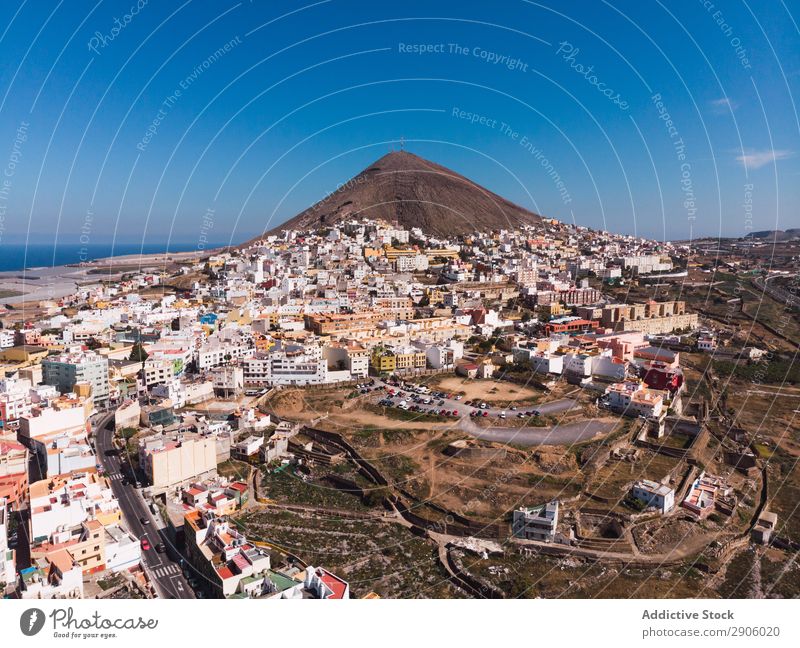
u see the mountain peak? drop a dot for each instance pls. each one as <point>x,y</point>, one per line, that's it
<point>409,190</point>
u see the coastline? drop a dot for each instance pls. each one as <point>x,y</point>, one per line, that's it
<point>38,284</point>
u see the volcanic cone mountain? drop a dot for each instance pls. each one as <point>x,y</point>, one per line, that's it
<point>407,190</point>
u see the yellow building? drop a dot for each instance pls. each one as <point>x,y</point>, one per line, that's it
<point>24,353</point>
<point>383,361</point>
<point>553,309</point>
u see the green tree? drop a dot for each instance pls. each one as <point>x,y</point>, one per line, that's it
<point>138,354</point>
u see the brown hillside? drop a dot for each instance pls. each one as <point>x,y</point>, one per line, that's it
<point>410,191</point>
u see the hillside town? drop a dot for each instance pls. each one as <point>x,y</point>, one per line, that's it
<point>149,422</point>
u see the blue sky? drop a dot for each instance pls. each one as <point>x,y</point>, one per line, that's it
<point>145,121</point>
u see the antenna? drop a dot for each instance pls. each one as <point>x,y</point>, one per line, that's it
<point>402,142</point>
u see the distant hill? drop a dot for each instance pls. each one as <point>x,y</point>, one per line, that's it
<point>778,235</point>
<point>410,191</point>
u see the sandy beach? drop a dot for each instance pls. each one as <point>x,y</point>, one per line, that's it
<point>45,283</point>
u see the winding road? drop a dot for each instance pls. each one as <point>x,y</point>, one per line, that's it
<point>165,572</point>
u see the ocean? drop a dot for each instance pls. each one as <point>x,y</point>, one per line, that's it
<point>17,256</point>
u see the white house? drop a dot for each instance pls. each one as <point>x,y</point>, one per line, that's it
<point>536,522</point>
<point>653,494</point>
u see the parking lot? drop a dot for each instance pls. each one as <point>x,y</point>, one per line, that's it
<point>419,398</point>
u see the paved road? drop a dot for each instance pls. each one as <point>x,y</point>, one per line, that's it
<point>165,572</point>
<point>779,294</point>
<point>565,434</point>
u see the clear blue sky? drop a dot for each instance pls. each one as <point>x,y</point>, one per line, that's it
<point>250,111</point>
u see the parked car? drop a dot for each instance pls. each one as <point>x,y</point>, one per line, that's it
<point>145,544</point>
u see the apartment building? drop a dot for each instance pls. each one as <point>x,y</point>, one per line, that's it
<point>645,263</point>
<point>8,566</point>
<point>13,472</point>
<point>348,355</point>
<point>67,501</point>
<point>67,416</point>
<point>652,318</point>
<point>169,460</point>
<point>15,400</point>
<point>76,366</point>
<point>228,380</point>
<point>287,364</point>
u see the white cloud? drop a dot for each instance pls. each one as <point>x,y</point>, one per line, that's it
<point>724,105</point>
<point>758,159</point>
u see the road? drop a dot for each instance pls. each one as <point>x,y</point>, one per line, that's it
<point>165,572</point>
<point>778,294</point>
<point>565,434</point>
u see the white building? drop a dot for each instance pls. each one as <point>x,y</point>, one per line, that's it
<point>8,569</point>
<point>227,380</point>
<point>634,399</point>
<point>536,522</point>
<point>123,550</point>
<point>287,365</point>
<point>171,460</point>
<point>654,494</point>
<point>64,503</point>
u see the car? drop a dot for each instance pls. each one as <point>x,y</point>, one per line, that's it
<point>485,413</point>
<point>146,544</point>
<point>458,397</point>
<point>520,415</point>
<point>529,413</point>
<point>161,548</point>
<point>536,412</point>
<point>455,412</point>
<point>513,408</point>
<point>502,414</point>
<point>144,520</point>
<point>440,403</point>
